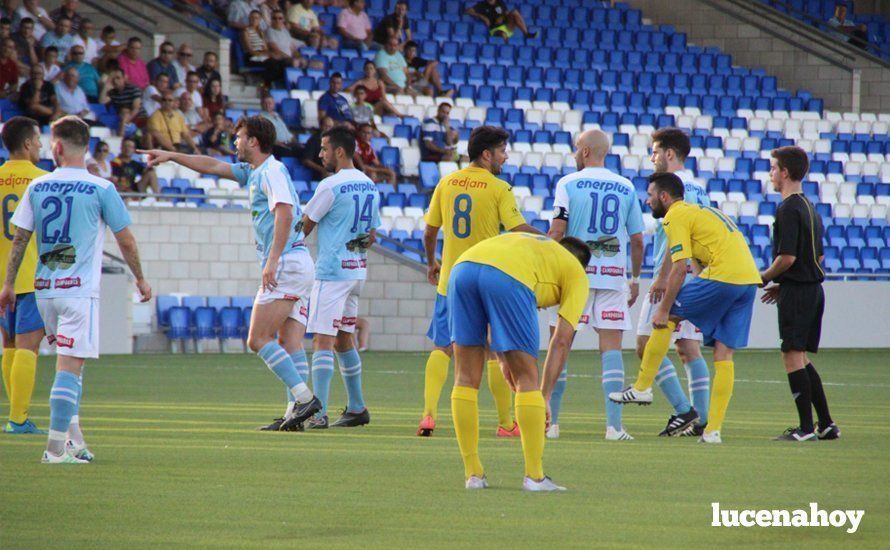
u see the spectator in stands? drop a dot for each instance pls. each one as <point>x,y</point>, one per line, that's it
<point>193,87</point>
<point>333,104</point>
<point>218,139</point>
<point>72,99</point>
<point>183,62</point>
<point>282,45</point>
<point>84,38</point>
<point>438,138</point>
<point>848,31</point>
<point>109,47</point>
<point>285,143</point>
<point>302,21</point>
<point>26,42</point>
<point>370,164</point>
<point>163,64</point>
<point>354,26</point>
<point>60,37</point>
<point>99,165</point>
<point>362,111</point>
<point>42,22</point>
<point>167,128</point>
<point>37,97</point>
<point>131,63</point>
<point>89,76</point>
<point>214,100</point>
<point>207,71</point>
<point>376,91</point>
<point>23,68</point>
<point>154,94</point>
<point>253,39</point>
<point>51,68</point>
<point>500,20</point>
<point>238,15</point>
<point>5,28</point>
<point>312,149</point>
<point>126,100</point>
<point>393,68</point>
<point>67,10</point>
<point>423,74</point>
<point>9,72</point>
<point>194,118</point>
<point>129,174</point>
<point>395,24</point>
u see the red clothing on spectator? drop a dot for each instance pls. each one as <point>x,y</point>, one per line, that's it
<point>9,74</point>
<point>135,71</point>
<point>366,153</point>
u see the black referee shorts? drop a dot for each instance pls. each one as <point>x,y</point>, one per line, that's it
<point>800,316</point>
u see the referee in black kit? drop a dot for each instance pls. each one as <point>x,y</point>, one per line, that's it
<point>797,249</point>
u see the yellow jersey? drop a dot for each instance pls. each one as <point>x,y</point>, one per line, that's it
<point>15,175</point>
<point>553,273</point>
<point>470,205</point>
<point>711,237</point>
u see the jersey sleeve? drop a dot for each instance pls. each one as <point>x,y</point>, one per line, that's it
<point>320,203</point>
<point>679,236</point>
<point>23,216</point>
<point>574,296</point>
<point>240,172</point>
<point>508,211</point>
<point>788,221</point>
<point>635,216</point>
<point>561,196</point>
<point>434,213</point>
<point>114,212</point>
<point>277,188</point>
<point>375,214</point>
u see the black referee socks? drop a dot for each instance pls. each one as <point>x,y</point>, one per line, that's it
<point>799,381</point>
<point>820,402</point>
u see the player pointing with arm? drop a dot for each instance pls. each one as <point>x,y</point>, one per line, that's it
<point>67,212</point>
<point>281,304</point>
<point>469,206</point>
<point>602,209</point>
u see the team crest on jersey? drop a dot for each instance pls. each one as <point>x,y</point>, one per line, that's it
<point>606,247</point>
<point>62,256</point>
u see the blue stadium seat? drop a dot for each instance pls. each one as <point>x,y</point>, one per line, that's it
<point>163,304</point>
<point>429,174</point>
<point>205,323</point>
<point>193,302</point>
<point>218,302</point>
<point>180,323</point>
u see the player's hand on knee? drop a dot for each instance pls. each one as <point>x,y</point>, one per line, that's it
<point>660,318</point>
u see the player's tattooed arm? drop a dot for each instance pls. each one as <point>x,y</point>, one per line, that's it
<point>19,244</point>
<point>130,251</point>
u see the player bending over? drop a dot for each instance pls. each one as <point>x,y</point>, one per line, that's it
<point>469,206</point>
<point>280,306</point>
<point>21,325</point>
<point>67,211</point>
<point>719,300</point>
<point>498,286</point>
<point>346,210</point>
<point>601,209</point>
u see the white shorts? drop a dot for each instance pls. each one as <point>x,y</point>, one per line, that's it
<point>684,331</point>
<point>333,306</point>
<point>296,273</point>
<point>72,324</point>
<point>605,309</point>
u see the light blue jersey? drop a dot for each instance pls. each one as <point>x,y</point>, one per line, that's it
<point>694,194</point>
<point>346,207</point>
<point>603,211</point>
<point>270,185</point>
<point>67,211</point>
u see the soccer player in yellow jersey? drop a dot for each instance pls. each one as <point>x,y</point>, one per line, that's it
<point>21,327</point>
<point>719,301</point>
<point>469,205</point>
<point>495,289</point>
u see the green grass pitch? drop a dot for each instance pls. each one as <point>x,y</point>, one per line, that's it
<point>179,464</point>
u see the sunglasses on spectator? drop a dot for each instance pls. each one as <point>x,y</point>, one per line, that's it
<point>168,52</point>
<point>185,54</point>
<point>76,52</point>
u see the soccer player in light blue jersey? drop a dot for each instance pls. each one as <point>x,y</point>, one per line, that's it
<point>345,209</point>
<point>601,209</point>
<point>67,211</point>
<point>278,319</point>
<point>670,147</point>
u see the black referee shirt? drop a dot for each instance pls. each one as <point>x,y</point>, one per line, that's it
<point>797,232</point>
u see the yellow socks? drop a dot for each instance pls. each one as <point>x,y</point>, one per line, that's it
<point>531,413</point>
<point>656,348</point>
<point>721,392</point>
<point>24,370</point>
<point>8,355</point>
<point>434,378</point>
<point>502,394</point>
<point>465,411</point>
